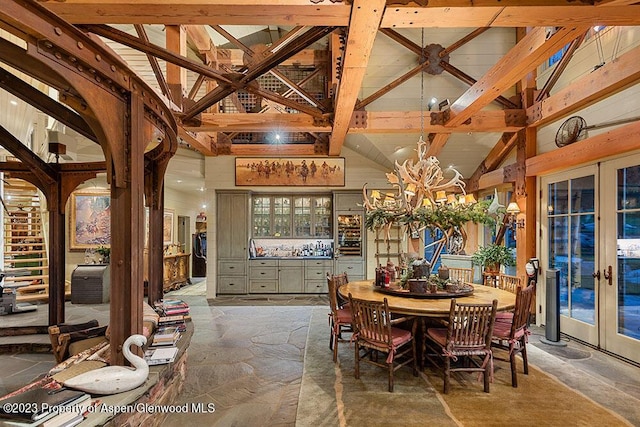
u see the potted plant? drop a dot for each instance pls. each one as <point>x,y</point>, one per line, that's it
<point>105,254</point>
<point>491,257</point>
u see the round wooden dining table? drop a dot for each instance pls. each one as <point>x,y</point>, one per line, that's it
<point>427,307</point>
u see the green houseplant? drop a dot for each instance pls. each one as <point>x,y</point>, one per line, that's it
<point>491,257</point>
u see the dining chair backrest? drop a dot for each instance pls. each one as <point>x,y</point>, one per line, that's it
<point>509,283</point>
<point>470,328</point>
<point>464,275</point>
<point>372,320</point>
<point>332,292</point>
<point>521,312</point>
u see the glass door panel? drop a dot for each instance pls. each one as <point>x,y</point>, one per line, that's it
<point>282,216</point>
<point>621,289</point>
<point>571,248</point>
<point>302,216</point>
<point>322,216</point>
<point>261,207</point>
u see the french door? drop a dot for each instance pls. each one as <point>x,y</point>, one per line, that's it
<point>591,234</point>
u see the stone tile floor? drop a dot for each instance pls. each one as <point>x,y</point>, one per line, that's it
<point>246,357</point>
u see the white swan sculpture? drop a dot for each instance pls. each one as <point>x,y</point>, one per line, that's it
<point>114,379</point>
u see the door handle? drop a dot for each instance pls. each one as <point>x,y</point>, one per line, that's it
<point>596,274</point>
<point>608,274</point>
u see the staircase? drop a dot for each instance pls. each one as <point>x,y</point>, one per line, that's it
<point>25,254</point>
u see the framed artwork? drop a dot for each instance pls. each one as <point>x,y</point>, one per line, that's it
<point>90,220</point>
<point>290,171</point>
<point>167,228</point>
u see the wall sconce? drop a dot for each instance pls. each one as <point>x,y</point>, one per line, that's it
<point>512,211</point>
<point>432,103</point>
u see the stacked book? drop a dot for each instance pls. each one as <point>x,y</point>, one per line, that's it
<point>160,355</point>
<point>177,320</point>
<point>166,336</point>
<point>172,307</point>
<point>44,403</point>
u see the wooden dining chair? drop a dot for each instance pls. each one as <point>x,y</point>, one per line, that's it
<point>510,333</point>
<point>375,332</point>
<point>467,336</point>
<point>464,275</point>
<point>340,318</point>
<point>509,283</point>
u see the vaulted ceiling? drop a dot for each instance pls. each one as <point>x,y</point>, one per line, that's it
<point>308,77</point>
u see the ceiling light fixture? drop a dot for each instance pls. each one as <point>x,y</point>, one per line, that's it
<point>424,198</point>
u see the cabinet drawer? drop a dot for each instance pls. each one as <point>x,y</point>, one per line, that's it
<point>316,286</point>
<point>291,263</point>
<point>232,285</point>
<point>313,273</point>
<point>258,273</point>
<point>263,287</point>
<point>232,268</point>
<point>263,263</point>
<point>351,268</point>
<point>318,263</point>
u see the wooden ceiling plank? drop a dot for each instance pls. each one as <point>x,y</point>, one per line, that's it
<point>595,148</point>
<point>605,81</point>
<point>363,27</point>
<point>534,48</point>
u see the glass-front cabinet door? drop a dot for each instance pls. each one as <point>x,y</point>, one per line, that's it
<point>282,216</point>
<point>322,216</point>
<point>302,216</point>
<point>261,216</point>
<point>349,235</point>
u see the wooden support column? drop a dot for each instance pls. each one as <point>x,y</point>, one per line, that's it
<point>525,186</point>
<point>176,38</point>
<point>156,249</point>
<point>127,237</point>
<point>56,264</point>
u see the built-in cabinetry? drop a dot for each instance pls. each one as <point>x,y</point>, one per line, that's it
<point>269,243</point>
<point>232,238</point>
<point>350,243</point>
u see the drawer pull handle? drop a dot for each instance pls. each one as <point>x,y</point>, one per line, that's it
<point>231,268</point>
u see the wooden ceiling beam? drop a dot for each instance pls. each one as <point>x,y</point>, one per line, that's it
<point>253,122</point>
<point>601,83</point>
<point>259,68</point>
<point>157,51</point>
<point>438,13</point>
<point>534,48</point>
<point>495,157</point>
<point>374,122</point>
<point>363,27</point>
<point>261,150</point>
<point>46,104</point>
<point>437,143</point>
<point>460,75</point>
<point>155,66</point>
<point>200,141</point>
<point>595,148</point>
